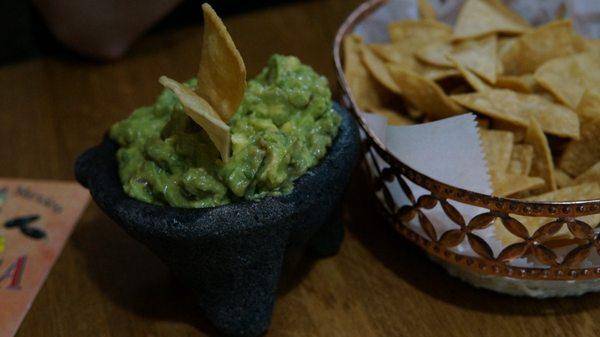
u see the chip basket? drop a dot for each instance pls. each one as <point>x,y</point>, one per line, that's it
<point>556,273</point>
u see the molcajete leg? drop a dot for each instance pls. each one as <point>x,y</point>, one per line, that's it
<point>234,277</point>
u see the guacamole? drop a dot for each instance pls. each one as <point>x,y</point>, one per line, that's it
<point>282,128</point>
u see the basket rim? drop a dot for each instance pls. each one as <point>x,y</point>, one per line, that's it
<point>573,208</point>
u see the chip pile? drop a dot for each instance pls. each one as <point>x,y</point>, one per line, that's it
<point>535,90</point>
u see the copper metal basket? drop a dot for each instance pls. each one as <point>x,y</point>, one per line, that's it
<point>485,265</point>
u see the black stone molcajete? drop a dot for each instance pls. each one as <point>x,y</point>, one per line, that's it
<point>231,256</point>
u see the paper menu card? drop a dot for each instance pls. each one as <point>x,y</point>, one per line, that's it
<point>36,219</point>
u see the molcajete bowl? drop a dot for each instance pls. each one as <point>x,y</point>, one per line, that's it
<point>231,256</point>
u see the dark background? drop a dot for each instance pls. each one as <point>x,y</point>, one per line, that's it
<point>25,35</point>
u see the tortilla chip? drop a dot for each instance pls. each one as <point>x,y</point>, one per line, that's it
<point>203,114</point>
<point>482,123</point>
<point>414,114</point>
<point>547,96</point>
<point>499,69</point>
<point>497,147</point>
<point>455,85</point>
<point>395,117</point>
<point>589,106</point>
<point>435,53</point>
<point>580,155</point>
<point>474,81</point>
<point>477,18</point>
<point>378,69</point>
<point>403,57</point>
<point>543,166</point>
<point>426,10</point>
<point>567,78</point>
<point>368,94</point>
<point>517,130</point>
<point>504,44</point>
<point>525,83</point>
<point>587,191</point>
<point>510,184</point>
<point>563,179</point>
<point>515,107</point>
<point>436,73</point>
<point>561,12</point>
<point>590,176</point>
<point>556,39</point>
<point>501,7</point>
<point>424,94</point>
<point>521,160</point>
<point>417,33</point>
<point>593,45</point>
<point>478,55</point>
<point>222,73</point>
<point>394,53</point>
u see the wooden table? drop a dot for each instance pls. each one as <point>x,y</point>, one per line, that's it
<point>106,284</point>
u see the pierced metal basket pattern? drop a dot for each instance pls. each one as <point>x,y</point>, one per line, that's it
<point>586,240</point>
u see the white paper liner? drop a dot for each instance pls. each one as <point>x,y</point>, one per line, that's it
<point>449,150</point>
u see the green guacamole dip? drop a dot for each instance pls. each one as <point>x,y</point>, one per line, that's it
<point>282,128</point>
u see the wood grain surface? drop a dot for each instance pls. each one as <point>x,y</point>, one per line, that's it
<point>106,284</point>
